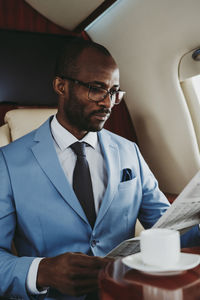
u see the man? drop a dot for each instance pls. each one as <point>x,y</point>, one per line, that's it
<point>60,249</point>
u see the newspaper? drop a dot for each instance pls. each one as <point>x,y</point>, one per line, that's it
<point>126,248</point>
<point>181,215</point>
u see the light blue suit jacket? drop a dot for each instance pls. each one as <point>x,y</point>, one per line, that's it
<point>39,209</point>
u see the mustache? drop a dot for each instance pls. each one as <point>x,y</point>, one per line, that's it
<point>102,110</point>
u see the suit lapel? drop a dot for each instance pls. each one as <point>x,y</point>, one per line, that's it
<point>45,154</point>
<point>111,156</point>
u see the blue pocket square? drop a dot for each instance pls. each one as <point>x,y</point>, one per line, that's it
<point>126,175</point>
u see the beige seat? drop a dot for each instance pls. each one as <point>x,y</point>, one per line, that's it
<point>19,122</point>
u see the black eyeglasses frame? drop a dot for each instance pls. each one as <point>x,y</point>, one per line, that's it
<point>88,85</point>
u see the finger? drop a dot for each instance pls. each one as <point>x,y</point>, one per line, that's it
<point>83,273</point>
<point>86,291</point>
<point>86,261</point>
<point>83,287</point>
<point>89,257</point>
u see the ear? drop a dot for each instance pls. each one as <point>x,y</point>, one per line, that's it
<point>59,86</point>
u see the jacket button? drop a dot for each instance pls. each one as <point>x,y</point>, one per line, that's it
<point>93,243</point>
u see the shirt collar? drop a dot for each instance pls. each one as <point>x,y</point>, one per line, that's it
<point>65,139</point>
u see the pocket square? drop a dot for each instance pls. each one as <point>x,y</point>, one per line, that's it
<point>126,175</point>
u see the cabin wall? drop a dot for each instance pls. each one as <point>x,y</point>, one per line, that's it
<point>148,40</point>
<point>18,15</point>
<point>27,55</point>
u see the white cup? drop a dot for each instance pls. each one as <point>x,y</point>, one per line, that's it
<point>160,247</point>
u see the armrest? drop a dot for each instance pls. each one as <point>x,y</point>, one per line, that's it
<point>138,228</point>
<point>171,197</point>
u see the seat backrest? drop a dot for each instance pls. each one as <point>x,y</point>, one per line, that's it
<point>19,122</point>
<point>4,135</point>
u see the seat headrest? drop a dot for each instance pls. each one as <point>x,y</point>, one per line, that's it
<point>22,121</point>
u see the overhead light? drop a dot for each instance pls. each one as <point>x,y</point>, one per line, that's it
<point>196,55</point>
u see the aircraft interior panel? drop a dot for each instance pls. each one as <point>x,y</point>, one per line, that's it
<point>148,40</point>
<point>67,14</point>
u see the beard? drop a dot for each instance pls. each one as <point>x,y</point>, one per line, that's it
<point>75,111</point>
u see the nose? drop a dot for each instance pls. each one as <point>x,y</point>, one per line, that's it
<point>106,102</point>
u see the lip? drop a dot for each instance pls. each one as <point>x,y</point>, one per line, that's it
<point>101,116</point>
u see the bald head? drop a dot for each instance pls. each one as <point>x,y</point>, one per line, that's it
<point>85,71</point>
<point>67,63</point>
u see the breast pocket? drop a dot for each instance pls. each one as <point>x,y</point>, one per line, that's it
<point>128,184</point>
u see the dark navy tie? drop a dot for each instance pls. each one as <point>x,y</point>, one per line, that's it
<point>82,183</point>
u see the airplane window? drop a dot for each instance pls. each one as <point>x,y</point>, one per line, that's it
<point>189,78</point>
<point>196,85</point>
<point>191,90</point>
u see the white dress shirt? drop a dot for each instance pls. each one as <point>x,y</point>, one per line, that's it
<point>63,139</point>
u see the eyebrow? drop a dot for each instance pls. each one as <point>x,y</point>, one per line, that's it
<point>102,84</point>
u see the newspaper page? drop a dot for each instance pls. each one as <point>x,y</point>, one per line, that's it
<point>181,215</point>
<point>125,248</point>
<point>185,210</point>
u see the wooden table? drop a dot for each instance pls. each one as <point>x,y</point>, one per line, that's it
<point>119,282</point>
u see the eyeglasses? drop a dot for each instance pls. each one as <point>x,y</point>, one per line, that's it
<point>96,93</point>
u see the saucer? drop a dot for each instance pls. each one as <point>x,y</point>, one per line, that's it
<point>187,261</point>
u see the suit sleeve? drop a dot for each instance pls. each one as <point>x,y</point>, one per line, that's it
<point>155,204</point>
<point>13,269</point>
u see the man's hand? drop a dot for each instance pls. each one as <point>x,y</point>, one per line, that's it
<point>74,274</point>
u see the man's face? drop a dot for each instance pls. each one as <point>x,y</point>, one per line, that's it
<point>82,115</point>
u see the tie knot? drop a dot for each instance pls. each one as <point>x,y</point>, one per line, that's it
<point>78,148</point>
